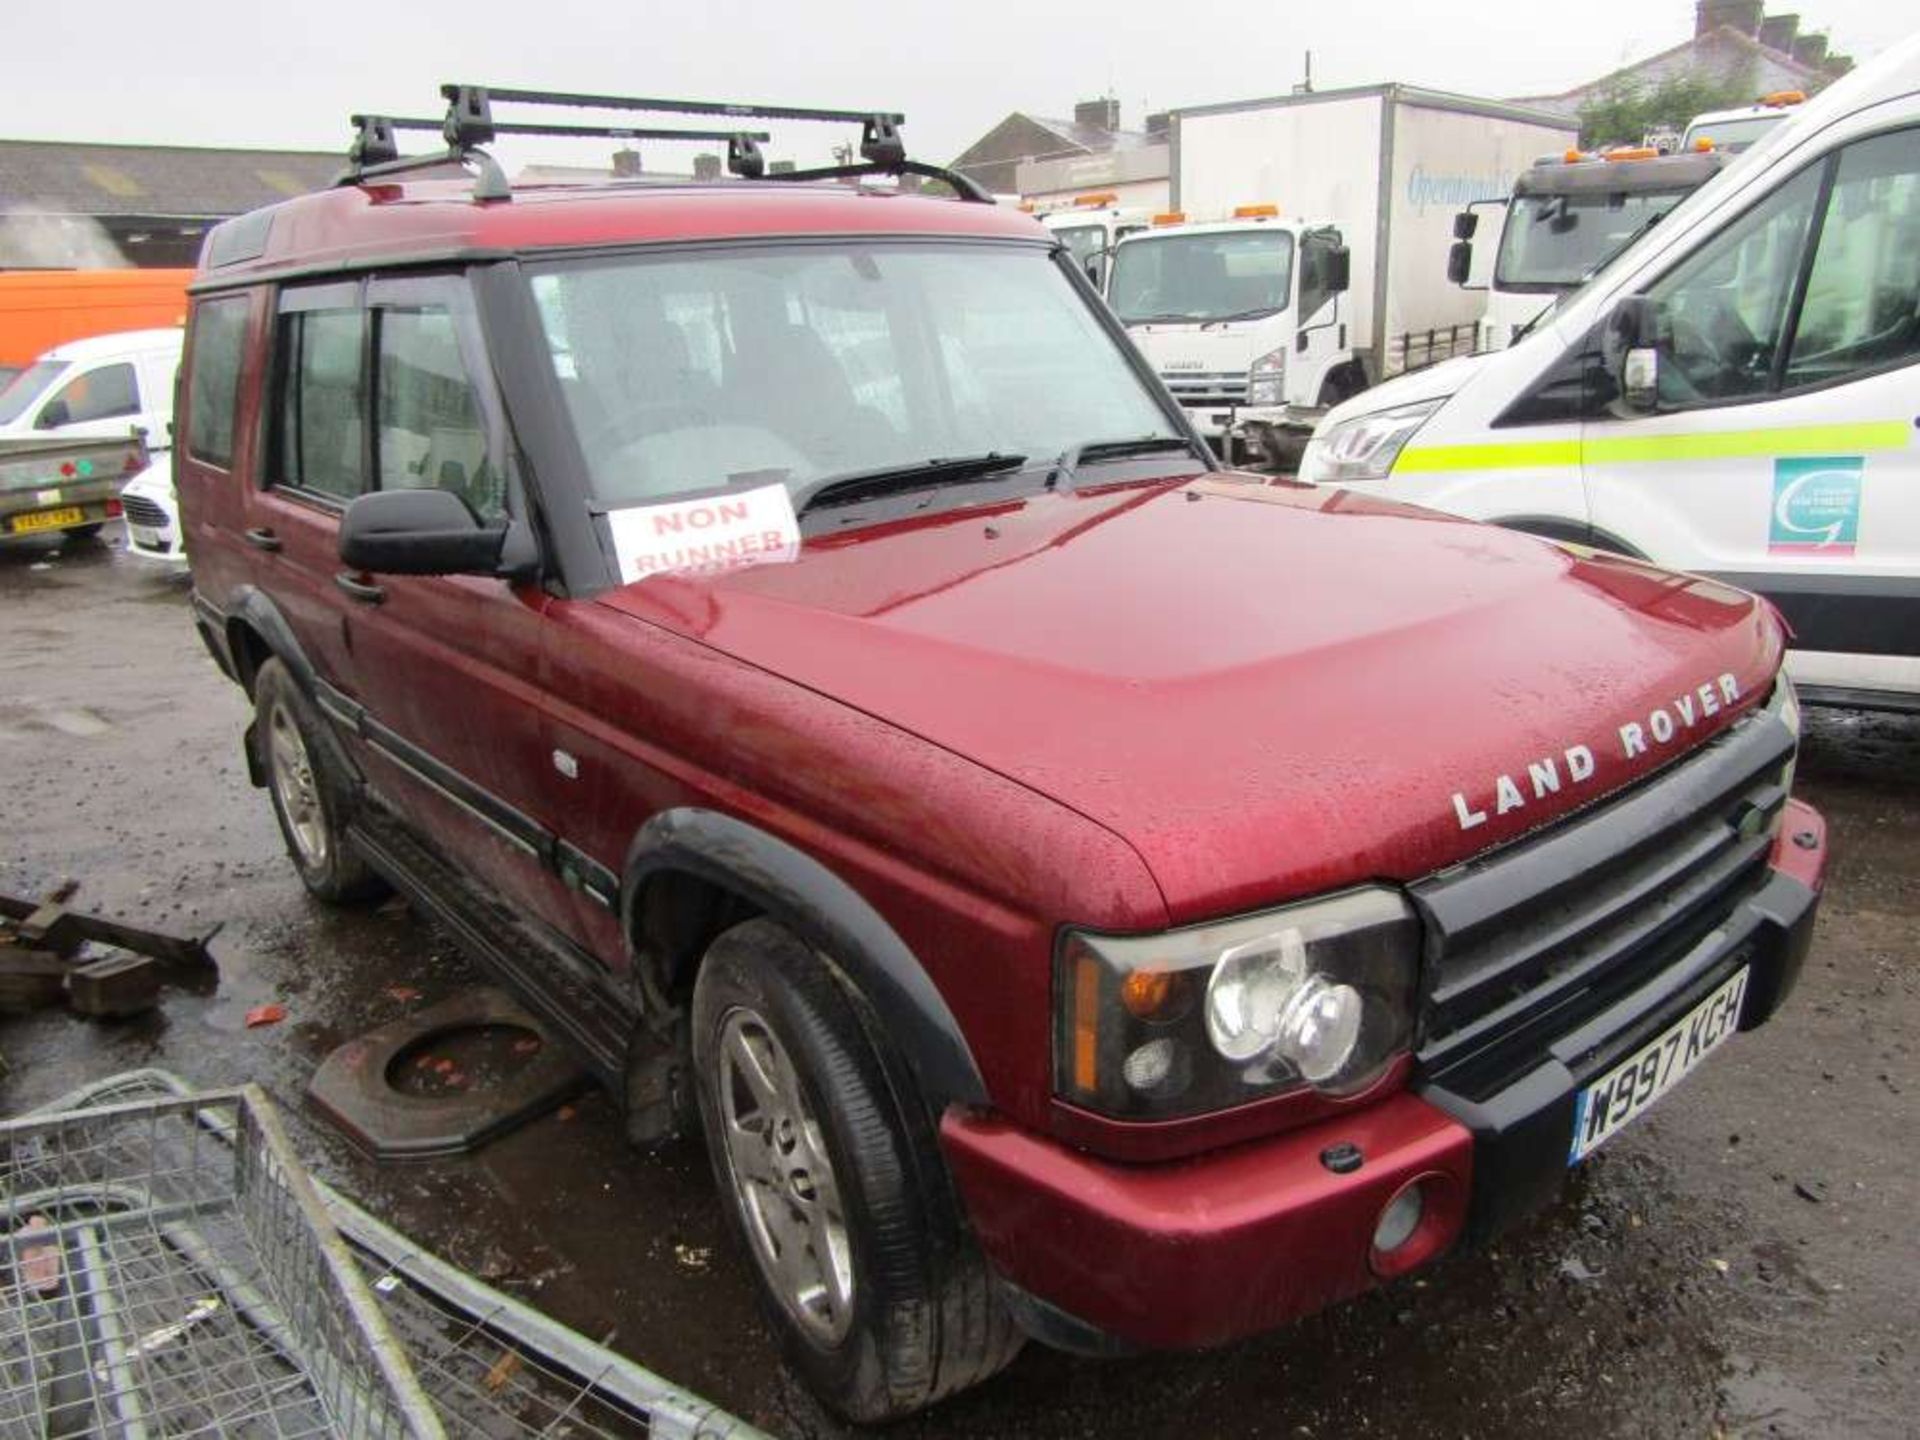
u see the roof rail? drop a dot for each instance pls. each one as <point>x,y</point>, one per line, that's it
<point>469,124</point>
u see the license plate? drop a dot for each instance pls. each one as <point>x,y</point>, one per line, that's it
<point>49,519</point>
<point>1627,1090</point>
<point>141,535</point>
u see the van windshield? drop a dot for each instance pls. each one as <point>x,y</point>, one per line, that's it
<point>1209,276</point>
<point>1554,242</point>
<point>26,387</point>
<point>683,372</point>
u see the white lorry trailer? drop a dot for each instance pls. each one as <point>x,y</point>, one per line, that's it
<point>1376,173</point>
<point>1567,216</point>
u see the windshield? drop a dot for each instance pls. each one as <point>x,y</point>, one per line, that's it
<point>1217,275</point>
<point>1554,242</point>
<point>26,387</point>
<point>686,372</point>
<point>1731,135</point>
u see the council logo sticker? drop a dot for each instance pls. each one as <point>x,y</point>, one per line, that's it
<point>1816,506</point>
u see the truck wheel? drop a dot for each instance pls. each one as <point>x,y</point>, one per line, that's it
<point>87,532</point>
<point>307,801</point>
<point>882,1300</point>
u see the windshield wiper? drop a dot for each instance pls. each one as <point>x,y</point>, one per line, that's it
<point>1259,314</point>
<point>1168,319</point>
<point>862,484</point>
<point>1074,456</point>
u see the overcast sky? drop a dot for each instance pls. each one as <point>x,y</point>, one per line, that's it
<point>267,73</point>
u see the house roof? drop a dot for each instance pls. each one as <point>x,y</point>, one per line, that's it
<point>155,180</point>
<point>1724,35</point>
<point>1091,138</point>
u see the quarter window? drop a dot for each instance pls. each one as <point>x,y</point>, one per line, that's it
<point>213,380</point>
<point>431,431</point>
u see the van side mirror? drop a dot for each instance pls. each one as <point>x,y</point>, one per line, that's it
<point>1460,261</point>
<point>419,532</point>
<point>1632,352</point>
<point>1339,269</point>
<point>1464,225</point>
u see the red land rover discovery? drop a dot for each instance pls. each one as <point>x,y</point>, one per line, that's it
<point>787,631</point>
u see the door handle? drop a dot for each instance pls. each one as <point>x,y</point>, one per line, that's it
<point>262,539</point>
<point>359,589</point>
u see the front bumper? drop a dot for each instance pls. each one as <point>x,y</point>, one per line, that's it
<point>1204,1251</point>
<point>153,521</point>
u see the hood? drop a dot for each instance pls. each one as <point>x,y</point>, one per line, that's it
<point>1267,689</point>
<point>1434,382</point>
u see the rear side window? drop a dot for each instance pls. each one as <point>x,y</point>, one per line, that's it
<point>219,331</point>
<point>104,393</point>
<point>319,438</point>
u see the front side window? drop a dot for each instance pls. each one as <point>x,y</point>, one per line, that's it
<point>106,392</point>
<point>1208,276</point>
<point>792,364</point>
<point>213,380</point>
<point>431,432</point>
<point>1554,242</point>
<point>1862,306</point>
<point>319,441</point>
<point>26,387</point>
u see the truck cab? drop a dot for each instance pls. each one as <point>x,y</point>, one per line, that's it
<point>1091,227</point>
<point>1568,216</point>
<point>1734,130</point>
<point>1241,318</point>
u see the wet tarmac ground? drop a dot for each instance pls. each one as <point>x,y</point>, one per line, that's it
<point>1743,1261</point>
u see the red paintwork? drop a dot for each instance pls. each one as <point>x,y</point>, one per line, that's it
<point>1806,863</point>
<point>423,218</point>
<point>1267,693</point>
<point>1207,1250</point>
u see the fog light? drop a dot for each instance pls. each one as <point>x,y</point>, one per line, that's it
<point>1148,1067</point>
<point>1399,1220</point>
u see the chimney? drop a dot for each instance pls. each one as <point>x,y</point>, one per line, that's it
<point>626,162</point>
<point>1157,125</point>
<point>1101,114</point>
<point>1837,65</point>
<point>1777,32</point>
<point>706,167</point>
<point>1811,50</point>
<point>1741,15</point>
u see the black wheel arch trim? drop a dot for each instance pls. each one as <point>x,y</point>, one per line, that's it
<point>797,890</point>
<point>1554,527</point>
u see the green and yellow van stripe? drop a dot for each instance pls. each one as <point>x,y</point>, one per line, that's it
<point>1848,439</point>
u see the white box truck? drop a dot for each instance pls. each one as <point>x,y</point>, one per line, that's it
<point>1380,172</point>
<point>1736,395</point>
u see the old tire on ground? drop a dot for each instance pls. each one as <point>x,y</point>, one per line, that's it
<point>309,802</point>
<point>830,1175</point>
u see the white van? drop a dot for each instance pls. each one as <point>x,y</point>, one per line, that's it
<point>1737,394</point>
<point>98,388</point>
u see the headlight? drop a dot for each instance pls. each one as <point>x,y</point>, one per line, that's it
<point>1785,703</point>
<point>1365,448</point>
<point>1267,379</point>
<point>1319,994</point>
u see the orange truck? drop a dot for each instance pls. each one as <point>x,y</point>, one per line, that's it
<point>40,309</point>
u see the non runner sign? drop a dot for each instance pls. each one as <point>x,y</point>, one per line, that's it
<point>717,532</point>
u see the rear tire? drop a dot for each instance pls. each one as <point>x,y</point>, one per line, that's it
<point>309,801</point>
<point>833,1182</point>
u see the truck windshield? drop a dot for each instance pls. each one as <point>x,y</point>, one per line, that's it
<point>1730,135</point>
<point>1554,242</point>
<point>1208,276</point>
<point>684,372</point>
<point>26,387</point>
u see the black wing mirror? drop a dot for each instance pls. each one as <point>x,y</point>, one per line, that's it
<point>420,532</point>
<point>1460,261</point>
<point>1464,224</point>
<point>1339,269</point>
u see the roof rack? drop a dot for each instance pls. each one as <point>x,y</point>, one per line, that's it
<point>469,124</point>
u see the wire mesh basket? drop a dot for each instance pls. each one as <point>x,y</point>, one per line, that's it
<point>167,1269</point>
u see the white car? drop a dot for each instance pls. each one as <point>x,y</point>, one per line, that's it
<point>101,387</point>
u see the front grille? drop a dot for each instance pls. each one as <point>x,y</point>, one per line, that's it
<point>142,511</point>
<point>1196,387</point>
<point>1529,942</point>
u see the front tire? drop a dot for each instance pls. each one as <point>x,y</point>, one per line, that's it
<point>832,1180</point>
<point>308,800</point>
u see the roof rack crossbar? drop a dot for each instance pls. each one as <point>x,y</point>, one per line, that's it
<point>675,107</point>
<point>375,155</point>
<point>591,132</point>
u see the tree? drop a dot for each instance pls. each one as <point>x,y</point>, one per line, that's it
<point>1628,109</point>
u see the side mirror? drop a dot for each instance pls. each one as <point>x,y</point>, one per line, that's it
<point>419,532</point>
<point>1465,224</point>
<point>1339,269</point>
<point>1460,261</point>
<point>53,416</point>
<point>1632,351</point>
